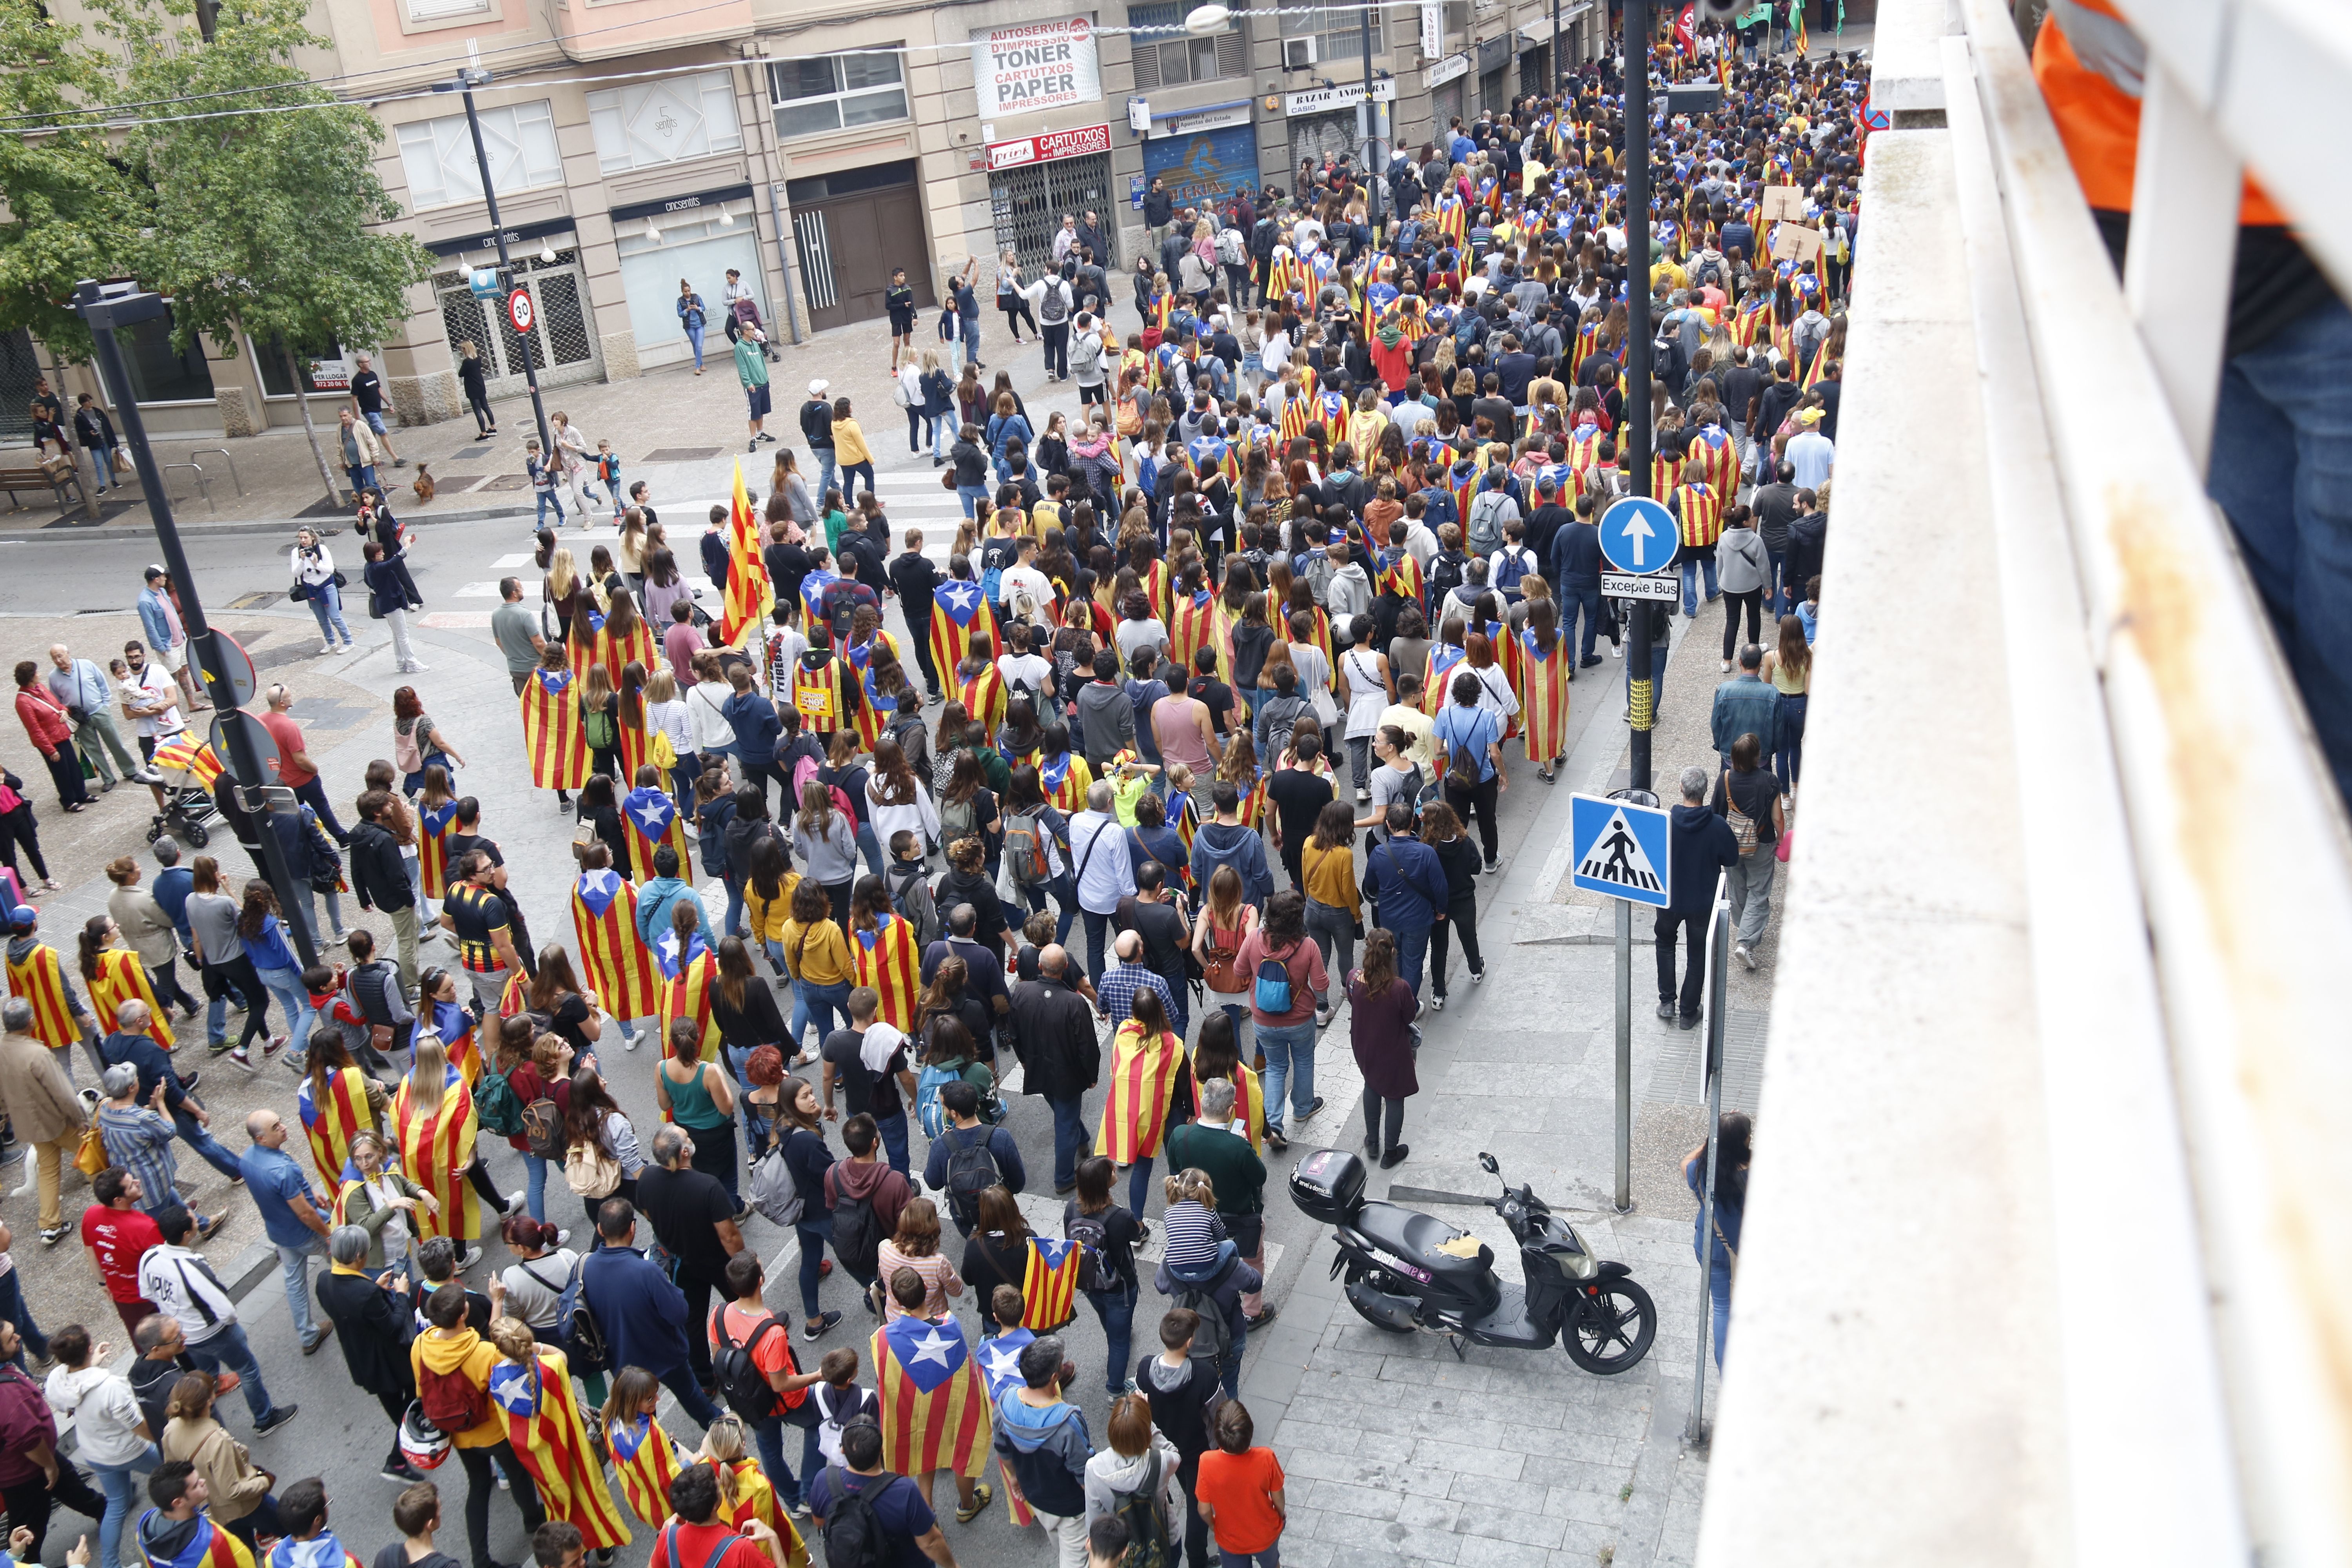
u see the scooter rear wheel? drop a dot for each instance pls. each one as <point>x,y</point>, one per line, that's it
<point>1379,1280</point>
<point>1610,1331</point>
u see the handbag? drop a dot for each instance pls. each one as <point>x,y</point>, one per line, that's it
<point>90,1159</point>
<point>1715,1221</point>
<point>1780,850</point>
<point>946,479</point>
<point>590,1171</point>
<point>1743,827</point>
<point>299,591</point>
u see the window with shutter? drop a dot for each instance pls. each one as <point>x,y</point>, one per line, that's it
<point>1147,66</point>
<point>436,10</point>
<point>1232,54</point>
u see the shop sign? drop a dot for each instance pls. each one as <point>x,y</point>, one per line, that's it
<point>1201,119</point>
<point>668,205</point>
<point>1322,100</point>
<point>1046,149</point>
<point>1446,69</point>
<point>1036,66</point>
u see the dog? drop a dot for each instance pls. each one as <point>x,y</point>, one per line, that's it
<point>424,486</point>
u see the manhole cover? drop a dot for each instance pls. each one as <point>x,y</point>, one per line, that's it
<point>465,455</point>
<point>680,455</point>
<point>255,602</point>
<point>506,482</point>
<point>457,485</point>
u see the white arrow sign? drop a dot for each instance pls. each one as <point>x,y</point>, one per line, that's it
<point>1640,533</point>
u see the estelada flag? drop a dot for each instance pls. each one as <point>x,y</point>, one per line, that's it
<point>455,1027</point>
<point>1049,1284</point>
<point>1144,1076</point>
<point>1064,782</point>
<point>122,978</point>
<point>888,959</point>
<point>330,1123</point>
<point>934,1411</point>
<point>875,714</point>
<point>605,918</point>
<point>813,587</point>
<point>687,980</point>
<point>190,754</point>
<point>1252,806</point>
<point>616,653</point>
<point>208,1547</point>
<point>645,1461</point>
<point>1543,694</point>
<point>1399,573</point>
<point>552,735</point>
<point>40,979</point>
<point>544,1424</point>
<point>652,820</point>
<point>437,1143</point>
<point>433,846</point>
<point>1444,660</point>
<point>321,1551</point>
<point>750,594</point>
<point>1199,623</point>
<point>958,615</point>
<point>756,1498</point>
<point>1186,815</point>
<point>983,697</point>
<point>1000,1371</point>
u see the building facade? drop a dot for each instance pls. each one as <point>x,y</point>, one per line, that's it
<point>639,145</point>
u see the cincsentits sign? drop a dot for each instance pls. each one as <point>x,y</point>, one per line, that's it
<point>1036,66</point>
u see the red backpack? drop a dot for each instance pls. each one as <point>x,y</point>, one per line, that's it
<point>453,1402</point>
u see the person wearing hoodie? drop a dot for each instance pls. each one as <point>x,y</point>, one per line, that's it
<point>1348,591</point>
<point>1227,841</point>
<point>1139,1458</point>
<point>109,1430</point>
<point>178,1530</point>
<point>662,893</point>
<point>1701,845</point>
<point>1041,1439</point>
<point>868,1180</point>
<point>1182,1391</point>
<point>308,1543</point>
<point>451,1356</point>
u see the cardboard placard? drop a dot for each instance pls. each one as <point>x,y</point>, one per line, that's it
<point>1783,201</point>
<point>1795,242</point>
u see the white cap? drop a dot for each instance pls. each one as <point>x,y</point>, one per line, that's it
<point>818,387</point>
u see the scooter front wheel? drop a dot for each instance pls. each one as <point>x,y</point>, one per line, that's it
<point>1610,1331</point>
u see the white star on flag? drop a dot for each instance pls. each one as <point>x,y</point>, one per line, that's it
<point>933,1346</point>
<point>655,814</point>
<point>668,945</point>
<point>1002,1363</point>
<point>515,1395</point>
<point>959,594</point>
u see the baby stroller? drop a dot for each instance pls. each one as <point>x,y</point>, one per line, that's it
<point>189,767</point>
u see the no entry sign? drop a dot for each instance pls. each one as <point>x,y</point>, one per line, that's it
<point>519,310</point>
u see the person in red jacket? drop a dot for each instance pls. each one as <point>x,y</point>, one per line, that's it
<point>52,728</point>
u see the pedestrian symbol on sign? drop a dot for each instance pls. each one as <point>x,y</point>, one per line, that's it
<point>1618,858</point>
<point>1621,849</point>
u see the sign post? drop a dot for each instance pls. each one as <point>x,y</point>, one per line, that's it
<point>1623,850</point>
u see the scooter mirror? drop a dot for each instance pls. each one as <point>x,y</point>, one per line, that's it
<point>1487,1161</point>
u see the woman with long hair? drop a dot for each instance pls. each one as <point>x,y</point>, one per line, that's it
<point>241,1503</point>
<point>816,957</point>
<point>741,1004</point>
<point>827,841</point>
<point>1735,1137</point>
<point>336,1103</point>
<point>529,1388</point>
<point>1380,1008</point>
<point>885,956</point>
<point>1789,666</point>
<point>1091,1213</point>
<point>593,1118</point>
<point>1216,1053</point>
<point>1334,903</point>
<point>263,937</point>
<point>953,1026</point>
<point>997,1251</point>
<point>745,1493</point>
<point>115,975</point>
<point>799,1130</point>
<point>433,1119</point>
<point>897,799</point>
<point>700,1097</point>
<point>1147,1069</point>
<point>915,1247</point>
<point>645,1457</point>
<point>768,894</point>
<point>1547,662</point>
<point>1441,830</point>
<point>1226,918</point>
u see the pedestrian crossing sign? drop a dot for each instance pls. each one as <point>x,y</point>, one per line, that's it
<point>1621,848</point>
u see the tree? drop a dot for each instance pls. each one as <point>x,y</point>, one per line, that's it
<point>267,207</point>
<point>73,211</point>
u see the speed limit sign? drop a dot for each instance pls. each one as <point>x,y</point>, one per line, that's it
<point>519,310</point>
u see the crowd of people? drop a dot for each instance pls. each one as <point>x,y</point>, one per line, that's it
<point>1303,593</point>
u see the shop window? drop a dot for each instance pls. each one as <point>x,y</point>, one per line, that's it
<point>1337,31</point>
<point>270,355</point>
<point>1165,56</point>
<point>518,138</point>
<point>661,122</point>
<point>159,372</point>
<point>833,92</point>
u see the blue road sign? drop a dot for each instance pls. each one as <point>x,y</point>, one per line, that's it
<point>1621,848</point>
<point>1638,535</point>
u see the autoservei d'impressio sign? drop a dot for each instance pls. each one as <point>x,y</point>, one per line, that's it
<point>1035,66</point>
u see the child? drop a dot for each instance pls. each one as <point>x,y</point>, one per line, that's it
<point>839,1401</point>
<point>1182,1391</point>
<point>542,483</point>
<point>1238,1489</point>
<point>1127,786</point>
<point>326,988</point>
<point>608,471</point>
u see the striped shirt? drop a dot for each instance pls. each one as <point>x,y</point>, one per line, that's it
<point>1194,1236</point>
<point>140,1142</point>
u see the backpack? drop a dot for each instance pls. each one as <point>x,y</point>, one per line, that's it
<point>1461,761</point>
<point>773,1191</point>
<point>602,730</point>
<point>856,1232</point>
<point>496,1108</point>
<point>971,1171</point>
<point>542,1128</point>
<point>1512,565</point>
<point>1054,308</point>
<point>742,1384</point>
<point>1146,1517</point>
<point>1233,250</point>
<point>853,1532</point>
<point>958,820</point>
<point>1213,1340</point>
<point>910,895</point>
<point>1272,994</point>
<point>452,1401</point>
<point>995,555</point>
<point>1444,574</point>
<point>1486,521</point>
<point>1092,1233</point>
<point>1024,849</point>
<point>576,1329</point>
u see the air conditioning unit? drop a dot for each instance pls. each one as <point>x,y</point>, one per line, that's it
<point>1297,54</point>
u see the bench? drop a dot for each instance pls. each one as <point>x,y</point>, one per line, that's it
<point>62,480</point>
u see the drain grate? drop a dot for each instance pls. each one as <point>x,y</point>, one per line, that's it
<point>505,481</point>
<point>681,455</point>
<point>1676,1081</point>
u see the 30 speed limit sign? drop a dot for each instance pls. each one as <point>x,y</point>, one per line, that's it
<point>519,310</point>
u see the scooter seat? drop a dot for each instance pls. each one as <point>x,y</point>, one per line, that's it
<point>1420,1239</point>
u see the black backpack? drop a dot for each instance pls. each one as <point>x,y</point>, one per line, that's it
<point>1092,1233</point>
<point>856,1232</point>
<point>971,1171</point>
<point>741,1381</point>
<point>1145,1515</point>
<point>576,1330</point>
<point>1214,1341</point>
<point>853,1532</point>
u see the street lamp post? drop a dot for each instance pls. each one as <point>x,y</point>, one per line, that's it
<point>468,79</point>
<point>1375,167</point>
<point>107,307</point>
<point>1642,694</point>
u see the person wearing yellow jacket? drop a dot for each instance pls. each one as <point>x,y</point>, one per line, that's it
<point>452,1364</point>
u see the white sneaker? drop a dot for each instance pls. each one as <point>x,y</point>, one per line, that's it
<point>328,651</point>
<point>1620,650</point>
<point>1740,952</point>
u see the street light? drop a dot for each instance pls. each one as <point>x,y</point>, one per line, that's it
<point>106,306</point>
<point>1210,18</point>
<point>468,79</point>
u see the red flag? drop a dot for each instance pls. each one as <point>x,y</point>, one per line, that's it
<point>1685,31</point>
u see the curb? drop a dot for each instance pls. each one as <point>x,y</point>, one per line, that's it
<point>53,534</point>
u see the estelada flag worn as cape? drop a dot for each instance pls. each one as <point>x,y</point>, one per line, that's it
<point>122,978</point>
<point>934,1411</point>
<point>1064,781</point>
<point>960,612</point>
<point>983,695</point>
<point>605,918</point>
<point>544,1424</point>
<point>1049,1284</point>
<point>552,734</point>
<point>1199,623</point>
<point>875,712</point>
<point>459,1037</point>
<point>437,1143</point>
<point>756,1498</point>
<point>321,1551</point>
<point>645,1462</point>
<point>1143,1076</point>
<point>616,653</point>
<point>433,845</point>
<point>1444,660</point>
<point>652,820</point>
<point>999,1370</point>
<point>40,979</point>
<point>209,1547</point>
<point>330,1124</point>
<point>687,981</point>
<point>1543,694</point>
<point>750,593</point>
<point>886,959</point>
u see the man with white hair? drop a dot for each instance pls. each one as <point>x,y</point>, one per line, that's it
<point>292,1215</point>
<point>41,1107</point>
<point>1702,846</point>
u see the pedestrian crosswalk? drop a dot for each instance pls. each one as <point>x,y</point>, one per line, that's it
<point>913,499</point>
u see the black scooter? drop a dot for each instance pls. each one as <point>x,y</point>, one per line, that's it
<point>1409,1272</point>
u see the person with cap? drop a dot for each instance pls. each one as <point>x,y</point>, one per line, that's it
<point>35,974</point>
<point>1808,454</point>
<point>160,619</point>
<point>816,429</point>
<point>752,370</point>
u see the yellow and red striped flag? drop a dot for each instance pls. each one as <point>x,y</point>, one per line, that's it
<point>432,823</point>
<point>605,918</point>
<point>459,1036</point>
<point>652,819</point>
<point>209,1546</point>
<point>756,1498</point>
<point>122,978</point>
<point>960,613</point>
<point>888,959</point>
<point>645,1462</point>
<point>551,736</point>
<point>1143,1069</point>
<point>190,754</point>
<point>437,1144</point>
<point>542,1417</point>
<point>750,593</point>
<point>688,982</point>
<point>983,697</point>
<point>331,1123</point>
<point>40,979</point>
<point>934,1412</point>
<point>1049,1284</point>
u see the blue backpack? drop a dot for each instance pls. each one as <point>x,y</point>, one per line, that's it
<point>927,1109</point>
<point>1272,994</point>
